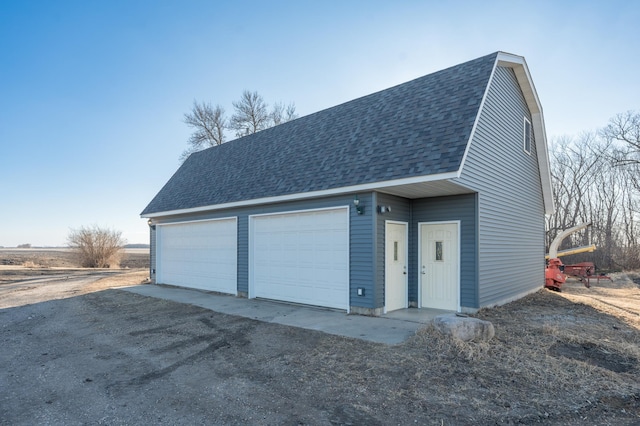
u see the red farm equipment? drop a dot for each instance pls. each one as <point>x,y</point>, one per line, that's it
<point>556,272</point>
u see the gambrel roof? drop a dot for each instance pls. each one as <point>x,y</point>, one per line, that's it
<point>415,132</point>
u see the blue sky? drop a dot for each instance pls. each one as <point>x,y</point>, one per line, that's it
<point>93,93</point>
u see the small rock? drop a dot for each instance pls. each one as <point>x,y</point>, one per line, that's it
<point>464,328</point>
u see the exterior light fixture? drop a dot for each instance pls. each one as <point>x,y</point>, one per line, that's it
<point>356,203</point>
<point>150,222</point>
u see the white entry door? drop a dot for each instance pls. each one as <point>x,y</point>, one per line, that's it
<point>301,257</point>
<point>395,290</point>
<point>439,271</point>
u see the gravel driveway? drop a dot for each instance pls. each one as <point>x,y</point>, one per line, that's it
<point>118,358</point>
<point>114,357</point>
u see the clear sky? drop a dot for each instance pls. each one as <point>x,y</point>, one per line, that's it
<point>93,93</point>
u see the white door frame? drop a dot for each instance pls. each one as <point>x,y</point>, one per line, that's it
<point>251,218</point>
<point>419,270</point>
<point>406,261</point>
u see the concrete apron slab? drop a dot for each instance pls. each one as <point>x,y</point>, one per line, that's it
<point>391,329</point>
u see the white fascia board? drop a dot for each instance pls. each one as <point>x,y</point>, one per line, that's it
<point>307,195</point>
<point>519,65</point>
<point>540,136</point>
<point>521,70</point>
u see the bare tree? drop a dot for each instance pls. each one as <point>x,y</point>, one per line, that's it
<point>623,134</point>
<point>625,128</point>
<point>281,114</point>
<point>593,180</point>
<point>209,124</point>
<point>251,114</point>
<point>573,168</point>
<point>96,247</point>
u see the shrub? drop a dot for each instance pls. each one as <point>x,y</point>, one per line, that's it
<point>96,247</point>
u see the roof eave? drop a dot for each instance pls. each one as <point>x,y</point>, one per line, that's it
<point>305,195</point>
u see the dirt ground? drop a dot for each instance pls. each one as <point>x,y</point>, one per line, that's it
<point>90,353</point>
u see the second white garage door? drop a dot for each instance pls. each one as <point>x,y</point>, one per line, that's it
<point>200,255</point>
<point>302,257</point>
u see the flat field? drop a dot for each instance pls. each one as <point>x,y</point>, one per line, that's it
<point>76,350</point>
<point>61,257</point>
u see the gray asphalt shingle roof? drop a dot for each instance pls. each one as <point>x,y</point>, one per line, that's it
<point>418,128</point>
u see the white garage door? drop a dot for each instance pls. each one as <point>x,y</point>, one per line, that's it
<point>200,255</point>
<point>302,257</point>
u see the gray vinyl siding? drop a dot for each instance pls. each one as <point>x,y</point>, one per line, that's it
<point>361,237</point>
<point>243,254</point>
<point>361,252</point>
<point>152,254</point>
<point>401,212</point>
<point>438,209</point>
<point>510,202</point>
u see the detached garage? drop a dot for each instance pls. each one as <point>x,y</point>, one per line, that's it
<point>389,201</point>
<point>301,257</point>
<point>199,254</point>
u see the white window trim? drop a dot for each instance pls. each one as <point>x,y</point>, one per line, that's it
<point>524,136</point>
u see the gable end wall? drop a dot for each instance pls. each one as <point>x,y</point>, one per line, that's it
<point>510,201</point>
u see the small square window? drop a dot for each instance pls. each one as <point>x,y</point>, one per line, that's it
<point>528,136</point>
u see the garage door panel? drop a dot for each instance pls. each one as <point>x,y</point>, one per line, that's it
<point>199,255</point>
<point>302,257</point>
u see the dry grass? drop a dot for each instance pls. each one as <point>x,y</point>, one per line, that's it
<point>120,280</point>
<point>554,355</point>
<point>552,361</point>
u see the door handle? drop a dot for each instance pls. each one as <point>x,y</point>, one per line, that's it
<point>404,273</point>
